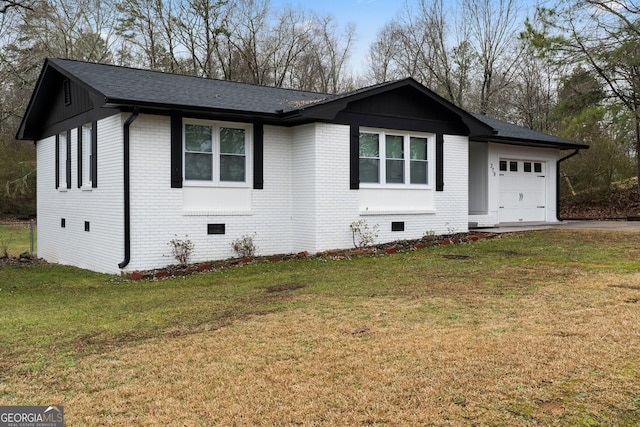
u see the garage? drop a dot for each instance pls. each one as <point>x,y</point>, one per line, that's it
<point>522,190</point>
<point>513,175</point>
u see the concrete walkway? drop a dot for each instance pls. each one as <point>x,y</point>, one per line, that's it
<point>632,226</point>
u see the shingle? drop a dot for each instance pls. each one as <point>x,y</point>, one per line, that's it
<point>153,87</point>
<point>509,131</point>
<point>131,86</point>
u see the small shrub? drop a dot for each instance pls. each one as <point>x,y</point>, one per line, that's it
<point>362,234</point>
<point>245,247</point>
<point>429,236</point>
<point>181,250</point>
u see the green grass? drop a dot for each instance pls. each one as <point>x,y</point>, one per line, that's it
<point>15,238</point>
<point>53,317</point>
<point>58,311</point>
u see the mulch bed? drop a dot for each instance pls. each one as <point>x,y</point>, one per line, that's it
<point>376,250</point>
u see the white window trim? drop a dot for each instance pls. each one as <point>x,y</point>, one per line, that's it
<point>62,161</point>
<point>431,140</point>
<point>87,145</point>
<point>215,151</point>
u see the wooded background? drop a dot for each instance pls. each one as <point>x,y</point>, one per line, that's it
<point>572,68</point>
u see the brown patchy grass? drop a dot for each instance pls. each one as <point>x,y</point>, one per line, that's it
<point>523,341</point>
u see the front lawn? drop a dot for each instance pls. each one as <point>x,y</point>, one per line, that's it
<point>539,328</point>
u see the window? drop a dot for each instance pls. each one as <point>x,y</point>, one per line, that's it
<point>406,158</point>
<point>369,158</point>
<point>513,166</point>
<point>232,155</point>
<point>198,152</point>
<point>395,159</point>
<point>503,165</point>
<point>215,153</point>
<point>537,167</point>
<point>419,160</point>
<point>86,145</point>
<point>527,166</point>
<point>63,161</point>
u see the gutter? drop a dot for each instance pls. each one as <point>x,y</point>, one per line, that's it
<point>558,181</point>
<point>127,194</point>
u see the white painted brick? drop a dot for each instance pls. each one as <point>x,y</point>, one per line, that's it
<point>100,249</point>
<point>306,203</point>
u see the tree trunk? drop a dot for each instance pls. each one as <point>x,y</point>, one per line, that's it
<point>637,123</point>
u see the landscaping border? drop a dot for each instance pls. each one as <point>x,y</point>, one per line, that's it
<point>375,250</point>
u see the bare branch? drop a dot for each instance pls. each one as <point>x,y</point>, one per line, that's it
<point>8,4</point>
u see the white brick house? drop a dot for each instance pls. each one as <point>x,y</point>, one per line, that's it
<point>130,159</point>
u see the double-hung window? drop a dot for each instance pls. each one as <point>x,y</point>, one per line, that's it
<point>394,158</point>
<point>216,153</point>
<point>87,155</point>
<point>63,161</point>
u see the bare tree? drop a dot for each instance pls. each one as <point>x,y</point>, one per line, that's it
<point>291,36</point>
<point>493,29</point>
<point>533,93</point>
<point>382,63</point>
<point>5,5</point>
<point>148,28</point>
<point>330,54</point>
<point>464,50</point>
<point>200,25</point>
<point>428,43</point>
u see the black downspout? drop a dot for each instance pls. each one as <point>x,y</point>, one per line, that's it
<point>127,198</point>
<point>558,216</point>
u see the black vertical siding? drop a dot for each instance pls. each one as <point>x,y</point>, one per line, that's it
<point>176,151</point>
<point>354,157</point>
<point>258,156</point>
<point>439,162</point>
<point>57,181</point>
<point>94,154</point>
<point>80,156</point>
<point>68,160</point>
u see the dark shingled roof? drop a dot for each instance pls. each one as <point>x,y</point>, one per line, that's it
<point>121,85</point>
<point>118,87</point>
<point>510,133</point>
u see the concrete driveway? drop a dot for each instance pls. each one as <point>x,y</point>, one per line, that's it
<point>631,226</point>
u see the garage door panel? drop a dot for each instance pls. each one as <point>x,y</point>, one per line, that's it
<point>522,193</point>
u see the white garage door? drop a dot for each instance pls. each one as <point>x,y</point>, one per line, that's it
<point>522,190</point>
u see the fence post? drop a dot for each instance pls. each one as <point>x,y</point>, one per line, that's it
<point>32,228</point>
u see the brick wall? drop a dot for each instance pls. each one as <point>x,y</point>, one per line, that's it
<point>100,248</point>
<point>158,214</point>
<point>306,203</point>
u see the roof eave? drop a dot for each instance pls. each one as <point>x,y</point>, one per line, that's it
<point>157,107</point>
<point>21,133</point>
<point>97,97</point>
<point>568,145</point>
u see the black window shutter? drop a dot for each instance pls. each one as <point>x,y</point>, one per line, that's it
<point>258,156</point>
<point>354,155</point>
<point>176,151</point>
<point>80,157</point>
<point>57,161</point>
<point>68,161</point>
<point>439,162</point>
<point>94,155</point>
